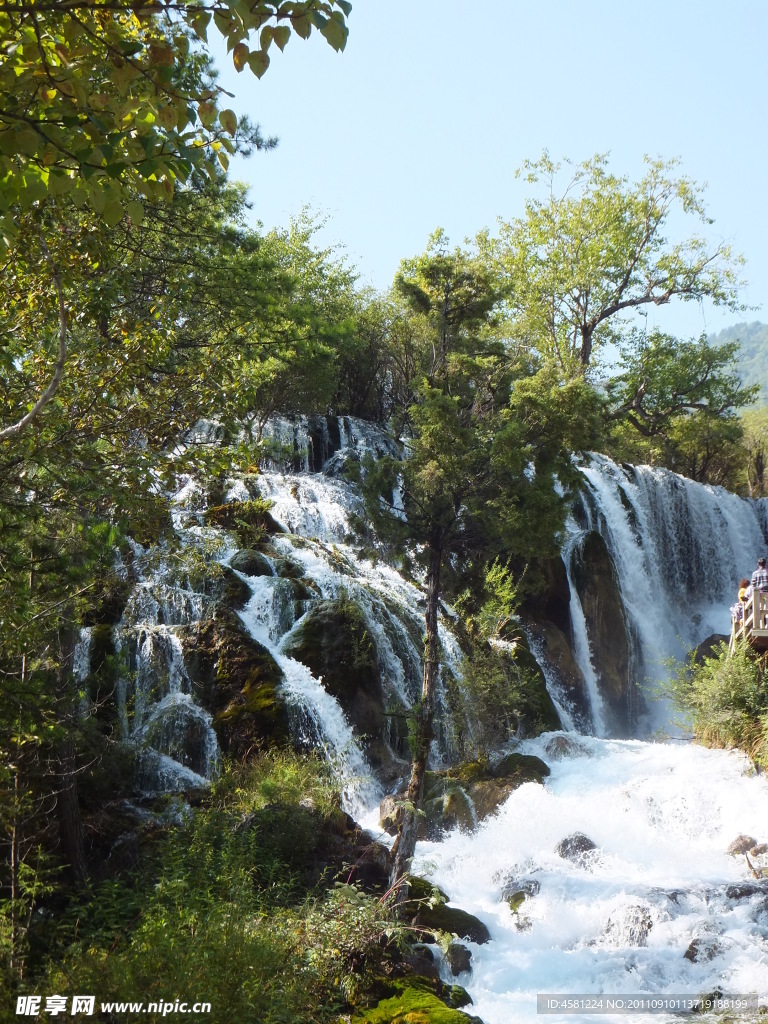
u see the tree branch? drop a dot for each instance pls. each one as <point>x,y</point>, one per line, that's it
<point>58,372</point>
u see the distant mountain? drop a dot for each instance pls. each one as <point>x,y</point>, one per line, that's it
<point>753,356</point>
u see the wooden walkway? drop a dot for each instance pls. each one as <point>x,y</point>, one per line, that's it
<point>753,626</point>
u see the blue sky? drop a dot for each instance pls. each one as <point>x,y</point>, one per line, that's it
<point>424,118</point>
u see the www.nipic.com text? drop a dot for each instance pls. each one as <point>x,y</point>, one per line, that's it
<point>31,1006</point>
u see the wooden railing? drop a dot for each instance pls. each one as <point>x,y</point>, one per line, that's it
<point>753,625</point>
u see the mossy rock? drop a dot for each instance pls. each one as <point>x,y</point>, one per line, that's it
<point>333,641</point>
<point>525,767</point>
<point>442,918</point>
<point>413,1005</point>
<point>230,589</point>
<point>423,889</point>
<point>251,562</point>
<point>289,568</point>
<point>238,681</point>
<point>251,521</point>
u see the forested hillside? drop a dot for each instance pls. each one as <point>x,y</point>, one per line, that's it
<point>753,352</point>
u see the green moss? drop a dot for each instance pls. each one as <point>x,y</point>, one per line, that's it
<point>526,767</point>
<point>442,918</point>
<point>239,681</point>
<point>250,520</point>
<point>412,1005</point>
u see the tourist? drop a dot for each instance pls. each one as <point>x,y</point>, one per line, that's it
<point>760,577</point>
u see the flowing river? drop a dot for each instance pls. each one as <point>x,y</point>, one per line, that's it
<point>657,907</point>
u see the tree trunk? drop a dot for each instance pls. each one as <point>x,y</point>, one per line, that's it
<point>405,844</point>
<point>67,803</point>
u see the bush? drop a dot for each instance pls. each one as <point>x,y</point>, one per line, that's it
<point>724,699</point>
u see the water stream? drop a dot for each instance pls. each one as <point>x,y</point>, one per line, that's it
<point>658,907</point>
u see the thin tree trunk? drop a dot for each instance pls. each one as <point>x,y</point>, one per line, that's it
<point>405,844</point>
<point>67,803</point>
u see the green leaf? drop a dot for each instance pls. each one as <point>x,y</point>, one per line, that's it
<point>335,32</point>
<point>240,56</point>
<point>135,211</point>
<point>258,62</point>
<point>302,25</point>
<point>345,5</point>
<point>228,121</point>
<point>281,34</point>
<point>113,213</point>
<point>96,199</point>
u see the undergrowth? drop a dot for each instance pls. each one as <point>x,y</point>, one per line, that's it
<point>226,910</point>
<point>724,697</point>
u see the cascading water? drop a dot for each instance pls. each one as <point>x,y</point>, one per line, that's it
<point>657,906</point>
<point>678,549</point>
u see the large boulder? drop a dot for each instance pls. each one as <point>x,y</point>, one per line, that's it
<point>334,642</point>
<point>598,588</point>
<point>238,681</point>
<point>554,651</point>
<point>464,795</point>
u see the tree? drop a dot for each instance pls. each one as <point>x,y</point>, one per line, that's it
<point>587,255</point>
<point>110,102</point>
<point>662,378</point>
<point>480,464</point>
<point>754,423</point>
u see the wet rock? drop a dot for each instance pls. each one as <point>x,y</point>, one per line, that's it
<point>251,562</point>
<point>630,926</point>
<point>513,887</point>
<point>577,848</point>
<point>238,681</point>
<point>423,889</point>
<point>709,648</point>
<point>459,958</point>
<point>521,768</point>
<point>289,568</point>
<point>334,642</point>
<point>452,920</point>
<point>560,747</point>
<point>535,711</point>
<point>422,962</point>
<point>369,863</point>
<point>598,587</point>
<point>746,890</point>
<point>703,949</point>
<point>554,650</point>
<point>741,844</point>
<point>466,794</point>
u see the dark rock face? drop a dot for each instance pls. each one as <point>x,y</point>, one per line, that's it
<point>333,641</point>
<point>703,949</point>
<point>464,795</point>
<point>251,562</point>
<point>536,712</point>
<point>631,927</point>
<point>577,848</point>
<point>238,681</point>
<point>598,588</point>
<point>557,657</point>
<point>707,648</point>
<point>459,958</point>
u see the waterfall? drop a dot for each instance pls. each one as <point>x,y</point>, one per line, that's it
<point>678,549</point>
